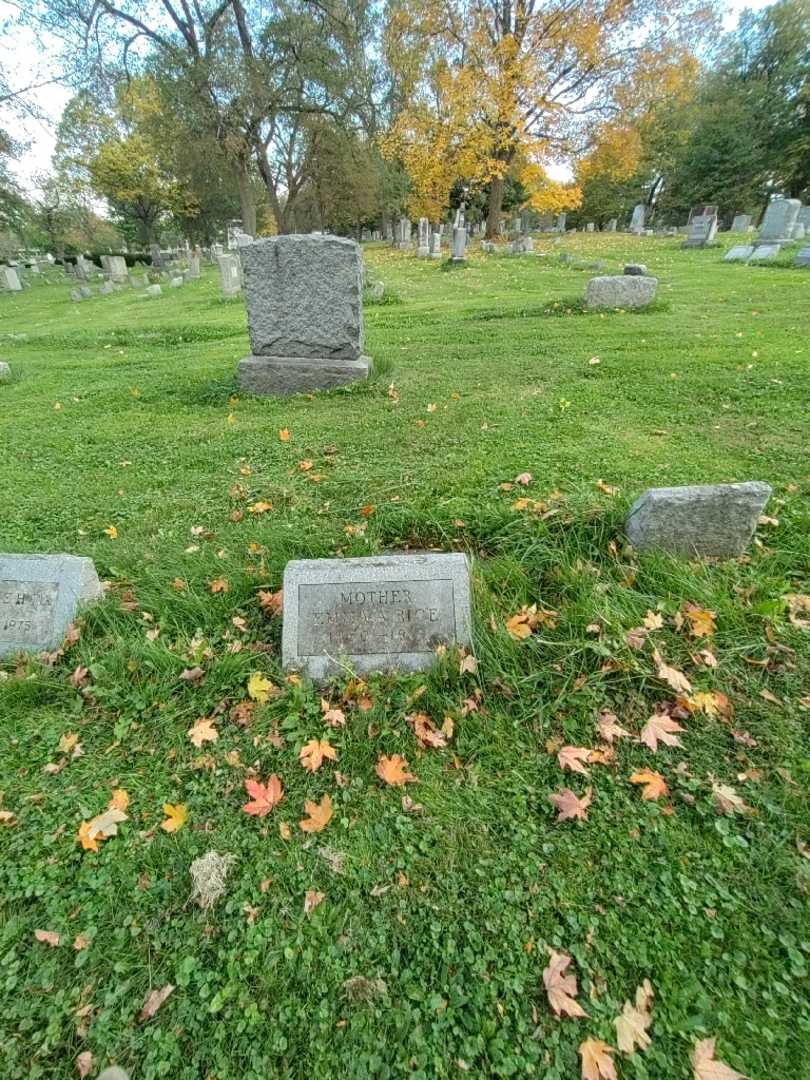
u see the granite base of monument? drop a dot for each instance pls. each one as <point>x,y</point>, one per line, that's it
<point>390,612</point>
<point>280,376</point>
<point>39,598</point>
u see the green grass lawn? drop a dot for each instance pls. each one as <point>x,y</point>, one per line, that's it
<point>124,413</point>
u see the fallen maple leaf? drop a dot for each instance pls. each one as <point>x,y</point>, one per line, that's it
<point>119,800</point>
<point>519,626</point>
<point>654,784</point>
<point>80,942</point>
<point>176,817</point>
<point>707,1067</point>
<point>260,507</point>
<point>84,1063</point>
<point>701,621</point>
<point>524,479</point>
<point>312,754</point>
<point>561,989</point>
<point>727,800</point>
<point>192,675</point>
<point>332,717</point>
<point>660,728</point>
<point>68,742</point>
<point>284,435</point>
<point>48,937</point>
<point>320,814</point>
<point>272,603</point>
<point>573,758</point>
<point>426,731</point>
<point>203,731</point>
<point>312,899</point>
<point>634,1020</point>
<point>653,620</point>
<point>609,727</point>
<point>154,1000</point>
<point>597,1063</point>
<point>569,805</point>
<point>8,818</point>
<point>259,687</point>
<point>99,828</point>
<point>393,770</point>
<point>670,675</point>
<point>263,796</point>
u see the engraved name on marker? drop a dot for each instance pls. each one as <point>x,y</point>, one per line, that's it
<point>26,611</point>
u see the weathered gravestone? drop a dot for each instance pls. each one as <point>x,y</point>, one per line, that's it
<point>404,234</point>
<point>780,217</point>
<point>627,291</point>
<point>106,289</point>
<point>714,520</point>
<point>153,291</point>
<point>39,598</point>
<point>637,220</point>
<point>611,225</point>
<point>435,245</point>
<point>175,282</point>
<point>423,250</point>
<point>764,252</point>
<point>799,231</point>
<point>741,223</point>
<point>305,314</point>
<point>156,256</point>
<point>739,253</point>
<point>230,275</point>
<point>701,230</point>
<point>5,371</point>
<point>803,257</point>
<point>9,279</point>
<point>373,614</point>
<point>560,225</point>
<point>459,244</point>
<point>117,267</point>
<point>194,271</point>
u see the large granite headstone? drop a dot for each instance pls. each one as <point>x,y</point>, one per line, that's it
<point>715,520</point>
<point>373,614</point>
<point>305,314</point>
<point>627,291</point>
<point>39,598</point>
<point>117,267</point>
<point>780,217</point>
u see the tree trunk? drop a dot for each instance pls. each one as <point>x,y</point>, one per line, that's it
<point>247,200</point>
<point>496,188</point>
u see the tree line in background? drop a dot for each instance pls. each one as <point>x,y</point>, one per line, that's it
<point>292,115</point>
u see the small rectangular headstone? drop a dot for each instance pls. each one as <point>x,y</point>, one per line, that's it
<point>117,267</point>
<point>389,612</point>
<point>39,598</point>
<point>741,223</point>
<point>763,252</point>
<point>739,253</point>
<point>9,279</point>
<point>713,520</point>
<point>803,257</point>
<point>627,291</point>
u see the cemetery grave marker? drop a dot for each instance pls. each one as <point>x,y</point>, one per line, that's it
<point>713,520</point>
<point>305,314</point>
<point>764,252</point>
<point>388,612</point>
<point>9,279</point>
<point>780,217</point>
<point>627,291</point>
<point>741,223</point>
<point>739,253</point>
<point>39,598</point>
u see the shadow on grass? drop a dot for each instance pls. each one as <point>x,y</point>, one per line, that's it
<point>567,306</point>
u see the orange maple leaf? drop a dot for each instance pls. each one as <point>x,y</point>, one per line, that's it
<point>320,814</point>
<point>393,770</point>
<point>219,585</point>
<point>426,731</point>
<point>263,796</point>
<point>312,754</point>
<point>654,784</point>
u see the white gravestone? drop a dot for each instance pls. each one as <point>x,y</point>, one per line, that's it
<point>423,250</point>
<point>39,598</point>
<point>390,612</point>
<point>637,220</point>
<point>780,217</point>
<point>230,274</point>
<point>436,245</point>
<point>459,243</point>
<point>9,279</point>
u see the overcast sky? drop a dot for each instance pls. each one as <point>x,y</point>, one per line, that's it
<point>28,58</point>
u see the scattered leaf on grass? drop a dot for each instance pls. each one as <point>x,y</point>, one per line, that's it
<point>84,1063</point>
<point>176,817</point>
<point>701,621</point>
<point>259,687</point>
<point>597,1063</point>
<point>263,796</point>
<point>561,989</point>
<point>670,675</point>
<point>272,603</point>
<point>319,815</point>
<point>219,585</point>
<point>634,1020</point>
<point>426,731</point>
<point>394,770</point>
<point>660,728</point>
<point>154,1000</point>
<point>574,758</point>
<point>48,937</point>
<point>119,800</point>
<point>203,731</point>
<point>284,435</point>
<point>654,784</point>
<point>609,727</point>
<point>727,800</point>
<point>707,1067</point>
<point>570,806</point>
<point>192,675</point>
<point>312,899</point>
<point>99,828</point>
<point>312,754</point>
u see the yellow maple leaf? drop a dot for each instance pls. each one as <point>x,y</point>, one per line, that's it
<point>176,817</point>
<point>259,687</point>
<point>203,731</point>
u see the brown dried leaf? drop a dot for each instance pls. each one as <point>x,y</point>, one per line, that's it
<point>561,989</point>
<point>154,1000</point>
<point>569,805</point>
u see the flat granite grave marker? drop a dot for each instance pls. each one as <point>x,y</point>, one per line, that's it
<point>803,257</point>
<point>388,612</point>
<point>739,253</point>
<point>714,520</point>
<point>305,314</point>
<point>763,252</point>
<point>39,598</point>
<point>627,291</point>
